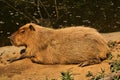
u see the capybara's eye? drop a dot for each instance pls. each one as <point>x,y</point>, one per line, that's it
<point>22,31</point>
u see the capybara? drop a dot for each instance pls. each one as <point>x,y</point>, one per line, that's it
<point>73,45</point>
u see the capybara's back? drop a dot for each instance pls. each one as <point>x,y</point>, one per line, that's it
<point>80,45</point>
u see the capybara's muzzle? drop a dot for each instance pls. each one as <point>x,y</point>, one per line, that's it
<point>11,39</point>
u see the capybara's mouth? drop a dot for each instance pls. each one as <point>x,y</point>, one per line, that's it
<point>12,42</point>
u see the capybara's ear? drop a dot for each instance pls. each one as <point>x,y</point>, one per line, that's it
<point>31,27</point>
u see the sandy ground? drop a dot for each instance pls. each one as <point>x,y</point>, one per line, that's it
<point>114,36</point>
<point>26,70</point>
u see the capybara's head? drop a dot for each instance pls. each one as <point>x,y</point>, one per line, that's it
<point>23,35</point>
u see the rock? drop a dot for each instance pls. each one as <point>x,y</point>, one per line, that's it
<point>10,53</point>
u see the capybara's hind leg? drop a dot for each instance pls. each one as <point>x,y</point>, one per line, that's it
<point>103,56</point>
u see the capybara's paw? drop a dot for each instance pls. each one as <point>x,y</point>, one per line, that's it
<point>82,64</point>
<point>36,60</point>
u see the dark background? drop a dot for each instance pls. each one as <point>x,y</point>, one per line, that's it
<point>104,15</point>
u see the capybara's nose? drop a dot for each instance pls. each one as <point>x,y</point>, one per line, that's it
<point>10,37</point>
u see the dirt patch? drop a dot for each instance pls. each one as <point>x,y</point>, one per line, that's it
<point>26,70</point>
<point>14,68</point>
<point>115,36</point>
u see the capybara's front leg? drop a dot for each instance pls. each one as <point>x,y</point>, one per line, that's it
<point>36,60</point>
<point>25,55</point>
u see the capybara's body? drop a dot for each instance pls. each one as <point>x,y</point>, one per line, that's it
<point>71,45</point>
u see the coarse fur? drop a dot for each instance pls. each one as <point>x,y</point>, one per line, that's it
<point>73,45</point>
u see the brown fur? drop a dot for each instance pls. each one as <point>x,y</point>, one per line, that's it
<point>72,45</point>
